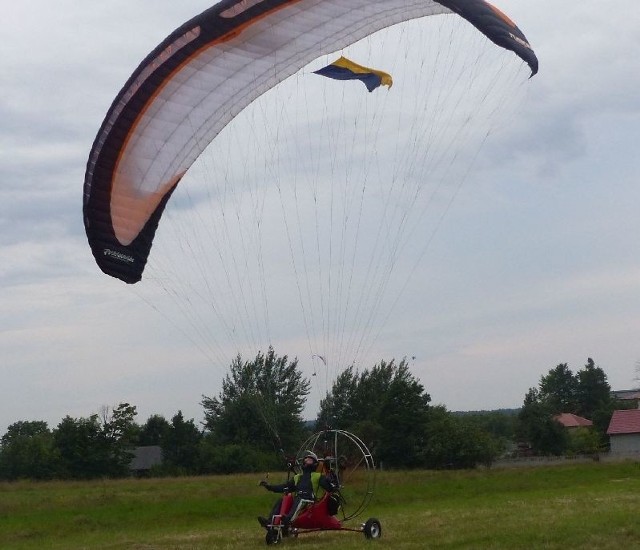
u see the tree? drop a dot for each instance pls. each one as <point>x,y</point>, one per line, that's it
<point>457,442</point>
<point>594,396</point>
<point>260,404</point>
<point>549,437</point>
<point>82,448</point>
<point>97,446</point>
<point>537,426</point>
<point>26,451</point>
<point>120,434</point>
<point>180,450</point>
<point>387,406</point>
<point>500,424</point>
<point>234,458</point>
<point>587,394</point>
<point>402,414</point>
<point>338,408</point>
<point>558,389</point>
<point>154,431</point>
<point>585,441</point>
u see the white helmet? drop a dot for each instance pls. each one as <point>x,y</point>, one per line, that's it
<point>310,454</point>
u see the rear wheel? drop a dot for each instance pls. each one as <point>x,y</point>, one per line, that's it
<point>372,529</point>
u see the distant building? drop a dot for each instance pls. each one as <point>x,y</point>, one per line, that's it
<point>624,431</point>
<point>145,458</point>
<point>572,421</point>
<point>627,396</point>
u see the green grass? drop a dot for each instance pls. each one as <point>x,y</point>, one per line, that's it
<point>579,506</point>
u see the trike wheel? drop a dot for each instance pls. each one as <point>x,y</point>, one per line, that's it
<point>272,537</point>
<point>372,529</point>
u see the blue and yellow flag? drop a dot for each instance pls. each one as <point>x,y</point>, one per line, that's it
<point>344,69</point>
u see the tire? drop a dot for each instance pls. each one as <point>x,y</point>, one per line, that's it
<point>272,537</point>
<point>372,529</point>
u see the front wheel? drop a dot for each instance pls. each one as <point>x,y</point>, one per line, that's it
<point>372,529</point>
<point>272,537</point>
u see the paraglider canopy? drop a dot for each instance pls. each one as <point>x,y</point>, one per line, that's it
<point>311,201</point>
<point>200,77</point>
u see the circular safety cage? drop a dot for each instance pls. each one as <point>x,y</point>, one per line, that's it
<point>345,458</point>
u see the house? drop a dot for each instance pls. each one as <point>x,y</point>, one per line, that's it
<point>624,431</point>
<point>572,421</point>
<point>145,458</point>
<point>628,396</point>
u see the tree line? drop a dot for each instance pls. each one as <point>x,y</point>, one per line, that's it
<point>256,419</point>
<point>585,393</point>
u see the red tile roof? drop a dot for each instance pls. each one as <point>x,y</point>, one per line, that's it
<point>625,422</point>
<point>569,420</point>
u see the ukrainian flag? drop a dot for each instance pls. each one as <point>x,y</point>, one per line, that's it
<point>344,69</point>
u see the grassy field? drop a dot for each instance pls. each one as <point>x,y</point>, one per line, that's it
<point>580,506</point>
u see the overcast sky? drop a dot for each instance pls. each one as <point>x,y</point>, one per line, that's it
<point>545,271</point>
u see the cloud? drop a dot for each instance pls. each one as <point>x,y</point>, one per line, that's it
<point>535,262</point>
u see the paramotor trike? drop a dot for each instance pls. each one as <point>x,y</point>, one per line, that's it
<point>345,459</point>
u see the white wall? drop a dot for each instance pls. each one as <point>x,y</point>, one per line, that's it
<point>625,443</point>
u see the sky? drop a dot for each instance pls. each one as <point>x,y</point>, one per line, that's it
<point>536,263</point>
